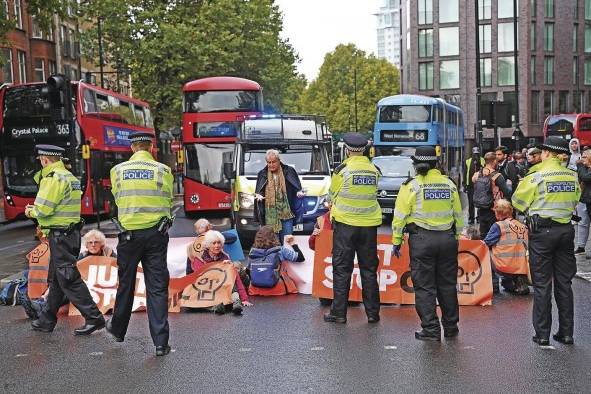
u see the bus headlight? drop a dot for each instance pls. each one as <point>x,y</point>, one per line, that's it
<point>9,200</point>
<point>246,200</point>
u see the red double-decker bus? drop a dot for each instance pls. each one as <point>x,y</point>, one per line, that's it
<point>94,131</point>
<point>569,126</point>
<point>213,110</point>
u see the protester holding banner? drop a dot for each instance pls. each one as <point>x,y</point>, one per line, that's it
<point>213,252</point>
<point>430,209</point>
<point>549,197</point>
<point>96,245</point>
<point>195,248</point>
<point>57,209</point>
<point>142,188</point>
<point>356,215</point>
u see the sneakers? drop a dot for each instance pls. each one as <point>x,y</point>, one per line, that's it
<point>580,250</point>
<point>236,304</point>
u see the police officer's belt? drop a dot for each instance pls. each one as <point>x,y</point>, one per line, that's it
<point>547,222</point>
<point>66,230</point>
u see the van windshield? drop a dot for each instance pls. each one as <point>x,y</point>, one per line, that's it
<point>306,159</point>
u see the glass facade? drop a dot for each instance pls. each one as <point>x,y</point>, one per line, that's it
<point>425,12</point>
<point>485,38</point>
<point>426,76</point>
<point>449,74</point>
<point>549,70</point>
<point>486,72</point>
<point>505,9</point>
<point>484,9</point>
<point>426,43</point>
<point>549,37</point>
<point>449,11</point>
<point>549,8</point>
<point>506,71</point>
<point>505,36</point>
<point>449,41</point>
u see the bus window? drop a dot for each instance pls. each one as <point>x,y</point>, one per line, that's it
<point>126,112</point>
<point>113,103</point>
<point>102,103</point>
<point>585,124</point>
<point>140,119</point>
<point>149,122</point>
<point>405,114</point>
<point>89,102</point>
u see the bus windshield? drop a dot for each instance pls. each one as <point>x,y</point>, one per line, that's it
<point>306,159</point>
<point>204,163</point>
<point>223,101</point>
<point>394,167</point>
<point>19,170</point>
<point>405,114</point>
<point>25,102</point>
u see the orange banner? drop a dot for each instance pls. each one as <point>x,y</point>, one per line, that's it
<point>395,283</point>
<point>213,286</point>
<point>38,269</point>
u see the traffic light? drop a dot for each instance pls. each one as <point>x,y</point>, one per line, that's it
<point>60,97</point>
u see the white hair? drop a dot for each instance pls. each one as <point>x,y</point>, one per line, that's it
<point>95,234</point>
<point>210,237</point>
<point>201,226</point>
<point>272,152</point>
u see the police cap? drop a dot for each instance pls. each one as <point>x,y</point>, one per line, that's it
<point>424,154</point>
<point>355,142</point>
<point>555,144</point>
<point>49,150</point>
<point>141,137</point>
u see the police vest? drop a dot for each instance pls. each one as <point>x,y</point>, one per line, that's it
<point>468,179</point>
<point>510,253</point>
<point>57,204</point>
<point>142,188</point>
<point>354,201</point>
<point>551,192</point>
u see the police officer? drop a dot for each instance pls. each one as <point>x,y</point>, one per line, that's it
<point>142,188</point>
<point>549,196</point>
<point>57,210</point>
<point>356,215</point>
<point>429,206</point>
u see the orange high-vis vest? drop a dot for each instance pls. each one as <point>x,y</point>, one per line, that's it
<point>510,253</point>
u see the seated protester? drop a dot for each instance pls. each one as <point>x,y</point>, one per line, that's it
<point>322,223</point>
<point>268,275</point>
<point>194,249</point>
<point>96,245</point>
<point>507,239</point>
<point>213,252</point>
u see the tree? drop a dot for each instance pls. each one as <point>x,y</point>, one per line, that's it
<point>332,92</point>
<point>166,44</point>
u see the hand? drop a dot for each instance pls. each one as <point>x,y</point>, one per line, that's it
<point>247,303</point>
<point>301,194</point>
<point>28,210</point>
<point>289,239</point>
<point>396,250</point>
<point>227,261</point>
<point>258,197</point>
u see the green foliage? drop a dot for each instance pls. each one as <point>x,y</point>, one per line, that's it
<point>166,44</point>
<point>333,92</point>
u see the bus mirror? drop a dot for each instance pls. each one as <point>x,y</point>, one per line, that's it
<point>228,171</point>
<point>180,156</point>
<point>438,150</point>
<point>86,152</point>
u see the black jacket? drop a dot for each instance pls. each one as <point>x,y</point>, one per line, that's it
<point>584,174</point>
<point>510,172</point>
<point>292,187</point>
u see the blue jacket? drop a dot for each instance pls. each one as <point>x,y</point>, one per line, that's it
<point>292,186</point>
<point>285,253</point>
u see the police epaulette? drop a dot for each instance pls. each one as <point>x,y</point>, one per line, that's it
<point>339,168</point>
<point>50,174</point>
<point>408,180</point>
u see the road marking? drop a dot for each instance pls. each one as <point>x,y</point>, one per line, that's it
<point>172,350</point>
<point>584,275</point>
<point>469,348</point>
<point>390,347</point>
<point>96,353</point>
<point>549,347</point>
<point>317,348</point>
<point>245,349</point>
<point>21,355</point>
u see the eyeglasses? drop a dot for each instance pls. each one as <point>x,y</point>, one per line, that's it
<point>272,162</point>
<point>93,242</point>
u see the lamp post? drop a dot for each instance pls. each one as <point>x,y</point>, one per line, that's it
<point>355,90</point>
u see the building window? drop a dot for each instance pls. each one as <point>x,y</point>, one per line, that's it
<point>449,41</point>
<point>485,38</point>
<point>549,8</point>
<point>37,33</point>
<point>533,8</point>
<point>548,103</point>
<point>425,12</point>
<point>7,70</point>
<point>486,72</point>
<point>577,99</point>
<point>532,37</point>
<point>532,70</point>
<point>506,71</point>
<point>52,67</point>
<point>448,11</point>
<point>587,72</point>
<point>576,9</point>
<point>426,76</point>
<point>505,9</point>
<point>505,37</point>
<point>575,70</point>
<point>18,14</point>
<point>575,37</point>
<point>549,37</point>
<point>484,9</point>
<point>534,109</point>
<point>426,43</point>
<point>549,70</point>
<point>22,66</point>
<point>6,13</point>
<point>39,69</point>
<point>587,38</point>
<point>449,74</point>
<point>563,101</point>
<point>588,10</point>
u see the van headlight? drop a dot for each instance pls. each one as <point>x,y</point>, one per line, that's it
<point>246,200</point>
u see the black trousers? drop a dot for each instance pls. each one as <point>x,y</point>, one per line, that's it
<point>65,281</point>
<point>150,247</point>
<point>434,272</point>
<point>348,240</point>
<point>471,208</point>
<point>486,218</point>
<point>552,261</point>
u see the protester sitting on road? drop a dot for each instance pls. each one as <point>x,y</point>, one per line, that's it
<point>507,239</point>
<point>95,243</point>
<point>213,252</point>
<point>195,248</point>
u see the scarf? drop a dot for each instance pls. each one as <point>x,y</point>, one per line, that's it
<point>276,202</point>
<point>207,258</point>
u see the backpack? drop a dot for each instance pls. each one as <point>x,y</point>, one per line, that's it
<point>14,290</point>
<point>265,271</point>
<point>486,191</point>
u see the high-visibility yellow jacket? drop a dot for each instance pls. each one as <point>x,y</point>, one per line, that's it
<point>57,204</point>
<point>468,178</point>
<point>353,193</point>
<point>431,202</point>
<point>552,192</point>
<point>142,188</point>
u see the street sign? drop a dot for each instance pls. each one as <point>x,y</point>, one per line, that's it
<point>175,146</point>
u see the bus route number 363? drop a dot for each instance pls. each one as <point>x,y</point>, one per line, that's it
<point>63,129</point>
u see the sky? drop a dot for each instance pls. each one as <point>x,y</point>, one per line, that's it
<point>316,27</point>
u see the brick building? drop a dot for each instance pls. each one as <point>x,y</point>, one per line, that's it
<point>554,41</point>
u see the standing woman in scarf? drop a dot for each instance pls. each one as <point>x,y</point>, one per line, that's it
<point>279,196</point>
